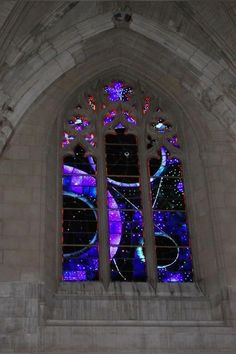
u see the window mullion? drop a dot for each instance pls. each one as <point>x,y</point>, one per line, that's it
<point>136,229</point>
<point>104,267</point>
<point>149,242</point>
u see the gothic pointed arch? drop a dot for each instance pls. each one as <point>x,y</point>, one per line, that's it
<point>124,216</point>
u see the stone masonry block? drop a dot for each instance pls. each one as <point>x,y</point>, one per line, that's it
<point>230,200</point>
<point>65,60</point>
<point>20,257</point>
<point>1,256</point>
<point>17,195</point>
<point>17,152</point>
<point>199,59</point>
<point>16,227</point>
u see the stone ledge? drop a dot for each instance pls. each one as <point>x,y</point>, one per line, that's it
<point>130,289</point>
<point>131,323</point>
<point>156,351</point>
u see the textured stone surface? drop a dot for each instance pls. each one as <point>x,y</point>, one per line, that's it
<point>50,52</point>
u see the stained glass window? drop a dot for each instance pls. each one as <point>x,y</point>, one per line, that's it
<point>124,207</point>
<point>169,219</point>
<point>80,236</point>
<point>110,130</point>
<point>118,91</point>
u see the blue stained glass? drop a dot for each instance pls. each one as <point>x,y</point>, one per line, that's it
<point>161,126</point>
<point>126,234</point>
<point>129,118</point>
<point>78,122</point>
<point>125,214</point>
<point>174,141</point>
<point>174,263</point>
<point>118,91</point>
<point>66,139</point>
<point>80,236</point>
<point>110,116</point>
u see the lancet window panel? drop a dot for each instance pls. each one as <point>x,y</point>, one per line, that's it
<point>123,133</point>
<point>80,232</point>
<point>124,207</point>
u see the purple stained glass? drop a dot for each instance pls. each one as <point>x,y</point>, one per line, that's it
<point>174,141</point>
<point>90,139</point>
<point>127,251</point>
<point>109,117</point>
<point>118,91</point>
<point>80,237</point>
<point>129,118</point>
<point>119,126</point>
<point>78,122</point>
<point>180,186</point>
<point>67,138</point>
<point>174,263</point>
<point>125,213</point>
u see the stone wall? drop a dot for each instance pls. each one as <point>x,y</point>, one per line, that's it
<point>40,79</point>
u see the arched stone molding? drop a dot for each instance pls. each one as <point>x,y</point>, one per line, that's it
<point>191,107</point>
<point>36,141</point>
<point>213,283</point>
<point>38,86</point>
<point>28,164</point>
<point>196,135</point>
<point>210,82</point>
<point>68,87</point>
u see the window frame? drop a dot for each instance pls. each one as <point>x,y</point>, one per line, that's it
<point>104,244</point>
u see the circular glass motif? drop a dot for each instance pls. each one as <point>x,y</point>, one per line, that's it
<point>166,251</point>
<point>80,225</point>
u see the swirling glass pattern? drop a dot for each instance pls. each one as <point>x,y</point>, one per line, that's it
<point>80,236</point>
<point>116,121</point>
<point>127,255</point>
<point>174,263</point>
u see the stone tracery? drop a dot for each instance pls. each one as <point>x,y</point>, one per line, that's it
<point>187,52</point>
<point>126,234</point>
